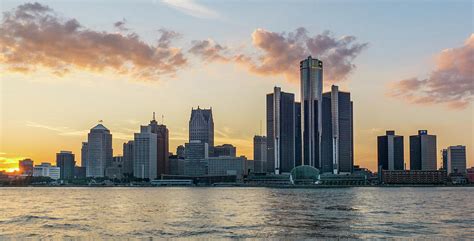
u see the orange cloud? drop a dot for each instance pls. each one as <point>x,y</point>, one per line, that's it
<point>32,36</point>
<point>280,53</point>
<point>451,83</point>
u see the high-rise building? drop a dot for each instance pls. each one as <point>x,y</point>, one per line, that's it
<point>225,150</point>
<point>127,168</point>
<point>65,161</point>
<point>26,167</point>
<point>201,126</point>
<point>84,151</point>
<point>311,74</point>
<point>444,159</point>
<point>298,138</point>
<point>99,151</point>
<point>180,151</point>
<point>390,151</point>
<point>260,153</point>
<point>196,149</point>
<point>456,159</point>
<point>162,146</point>
<point>115,170</point>
<point>423,151</point>
<point>337,137</point>
<point>145,154</point>
<point>280,131</point>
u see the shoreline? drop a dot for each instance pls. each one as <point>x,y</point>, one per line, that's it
<point>246,186</point>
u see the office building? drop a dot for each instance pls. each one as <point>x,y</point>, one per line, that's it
<point>280,131</point>
<point>127,168</point>
<point>260,153</point>
<point>311,74</point>
<point>225,150</point>
<point>145,154</point>
<point>26,167</point>
<point>99,151</point>
<point>65,161</point>
<point>390,154</point>
<point>176,165</point>
<point>337,137</point>
<point>221,166</point>
<point>115,170</point>
<point>79,172</point>
<point>180,151</point>
<point>162,146</point>
<point>201,126</point>
<point>195,167</point>
<point>444,157</point>
<point>456,159</point>
<point>46,170</point>
<point>196,149</point>
<point>298,138</point>
<point>423,151</point>
<point>84,151</point>
<point>413,177</point>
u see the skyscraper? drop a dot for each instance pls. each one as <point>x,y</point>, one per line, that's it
<point>201,126</point>
<point>456,159</point>
<point>390,151</point>
<point>128,158</point>
<point>162,146</point>
<point>65,161</point>
<point>180,151</point>
<point>145,154</point>
<point>298,138</point>
<point>280,131</point>
<point>423,151</point>
<point>196,149</point>
<point>26,167</point>
<point>84,151</point>
<point>99,151</point>
<point>260,153</point>
<point>337,139</point>
<point>311,74</point>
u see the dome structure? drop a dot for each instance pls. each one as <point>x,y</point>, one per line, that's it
<point>304,175</point>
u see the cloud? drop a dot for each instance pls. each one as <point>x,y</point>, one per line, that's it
<point>451,83</point>
<point>190,7</point>
<point>280,53</point>
<point>63,131</point>
<point>120,25</point>
<point>33,36</point>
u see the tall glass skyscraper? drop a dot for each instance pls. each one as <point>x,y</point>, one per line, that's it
<point>311,73</point>
<point>145,154</point>
<point>201,126</point>
<point>162,146</point>
<point>390,152</point>
<point>99,151</point>
<point>280,131</point>
<point>423,151</point>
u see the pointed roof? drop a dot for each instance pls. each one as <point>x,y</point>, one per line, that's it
<point>99,127</point>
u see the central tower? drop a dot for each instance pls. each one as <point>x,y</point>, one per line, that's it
<point>311,74</point>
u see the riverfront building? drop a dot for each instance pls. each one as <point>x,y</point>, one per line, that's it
<point>26,167</point>
<point>145,154</point>
<point>65,161</point>
<point>162,143</point>
<point>456,159</point>
<point>201,126</point>
<point>423,151</point>
<point>99,151</point>
<point>260,153</point>
<point>390,152</point>
<point>46,170</point>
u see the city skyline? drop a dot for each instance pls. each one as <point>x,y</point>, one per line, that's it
<point>39,112</point>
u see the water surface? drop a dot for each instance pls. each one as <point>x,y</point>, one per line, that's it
<point>363,212</point>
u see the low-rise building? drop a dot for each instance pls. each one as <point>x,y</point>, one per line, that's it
<point>47,170</point>
<point>413,177</point>
<point>219,166</point>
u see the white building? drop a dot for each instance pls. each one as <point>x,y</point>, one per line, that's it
<point>221,166</point>
<point>46,170</point>
<point>145,149</point>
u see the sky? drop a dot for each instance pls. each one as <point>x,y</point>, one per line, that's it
<point>64,65</point>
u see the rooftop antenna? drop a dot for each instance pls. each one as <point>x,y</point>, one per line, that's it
<point>162,119</point>
<point>153,115</point>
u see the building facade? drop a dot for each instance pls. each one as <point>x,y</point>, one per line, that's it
<point>26,167</point>
<point>423,151</point>
<point>162,134</point>
<point>180,151</point>
<point>99,151</point>
<point>65,161</point>
<point>201,126</point>
<point>221,166</point>
<point>225,150</point>
<point>47,170</point>
<point>260,153</point>
<point>84,151</point>
<point>311,74</point>
<point>337,136</point>
<point>196,149</point>
<point>145,154</point>
<point>127,168</point>
<point>456,159</point>
<point>280,131</point>
<point>390,154</point>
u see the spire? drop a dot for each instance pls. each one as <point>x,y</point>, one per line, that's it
<point>153,115</point>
